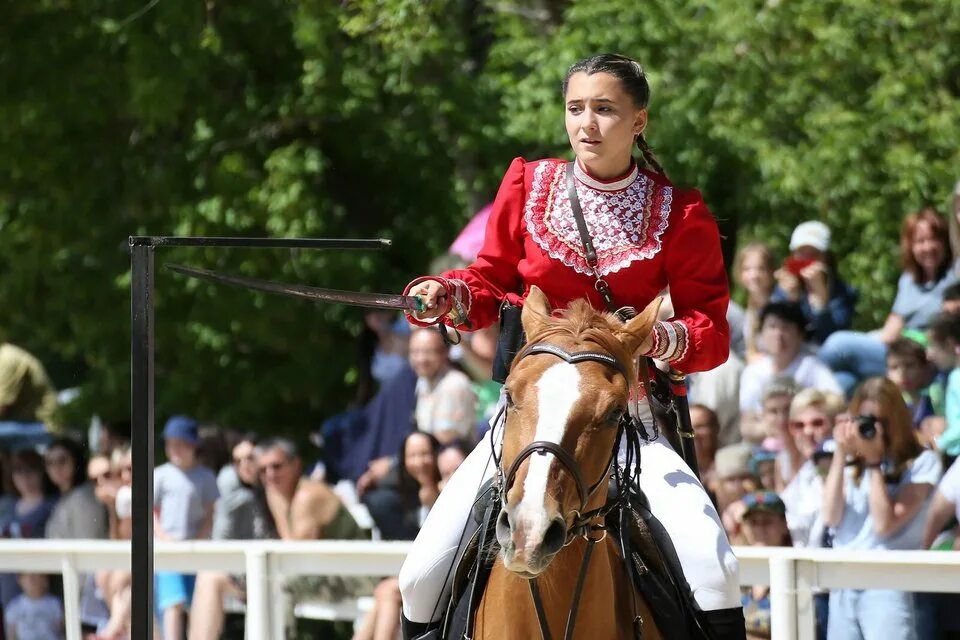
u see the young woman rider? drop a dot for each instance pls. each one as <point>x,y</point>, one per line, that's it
<point>648,235</point>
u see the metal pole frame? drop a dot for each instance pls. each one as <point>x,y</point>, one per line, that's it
<point>142,265</point>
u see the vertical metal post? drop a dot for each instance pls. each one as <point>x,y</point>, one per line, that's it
<point>71,597</point>
<point>141,372</point>
<point>783,598</point>
<point>258,595</point>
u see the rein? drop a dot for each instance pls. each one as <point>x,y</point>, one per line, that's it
<point>581,522</point>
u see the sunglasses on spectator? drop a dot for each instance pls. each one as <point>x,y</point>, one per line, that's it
<point>816,423</point>
<point>276,466</point>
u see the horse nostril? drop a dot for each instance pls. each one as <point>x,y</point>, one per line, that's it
<point>503,527</point>
<point>554,537</point>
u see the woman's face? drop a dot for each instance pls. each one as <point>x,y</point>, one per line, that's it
<point>764,529</point>
<point>27,480</point>
<point>809,427</point>
<point>60,467</point>
<point>602,123</point>
<point>418,456</point>
<point>927,248</point>
<point>755,274</point>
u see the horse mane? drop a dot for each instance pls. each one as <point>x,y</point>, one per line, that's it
<point>584,324</point>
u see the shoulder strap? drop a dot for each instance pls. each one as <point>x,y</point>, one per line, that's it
<point>589,251</point>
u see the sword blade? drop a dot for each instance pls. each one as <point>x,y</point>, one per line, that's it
<point>354,298</point>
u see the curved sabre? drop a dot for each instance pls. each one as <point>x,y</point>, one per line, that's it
<point>354,298</point>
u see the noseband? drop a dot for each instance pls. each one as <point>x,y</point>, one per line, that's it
<point>581,521</point>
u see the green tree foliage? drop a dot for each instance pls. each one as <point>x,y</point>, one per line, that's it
<point>395,118</point>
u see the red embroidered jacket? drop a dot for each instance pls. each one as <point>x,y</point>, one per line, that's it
<point>648,235</point>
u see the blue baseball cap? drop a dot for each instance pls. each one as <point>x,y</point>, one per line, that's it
<point>182,428</point>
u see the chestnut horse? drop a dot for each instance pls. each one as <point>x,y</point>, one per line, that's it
<point>566,393</point>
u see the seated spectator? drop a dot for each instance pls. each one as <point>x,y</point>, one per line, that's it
<point>763,465</point>
<point>783,329</point>
<point>927,272</point>
<point>113,479</point>
<point>809,277</point>
<point>26,394</point>
<point>944,351</point>
<point>183,496</point>
<point>813,415</point>
<point>909,369</point>
<point>753,268</point>
<point>31,512</point>
<point>877,502</point>
<point>77,514</point>
<point>706,429</point>
<point>446,404</point>
<point>417,490</point>
<point>719,391</point>
<point>399,506</point>
<point>240,514</point>
<point>35,614</point>
<point>764,525</point>
<point>734,479</point>
<point>303,509</point>
<point>775,417</point>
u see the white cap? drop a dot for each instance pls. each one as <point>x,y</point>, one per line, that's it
<point>811,233</point>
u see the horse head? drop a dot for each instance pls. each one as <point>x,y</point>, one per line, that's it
<point>566,394</point>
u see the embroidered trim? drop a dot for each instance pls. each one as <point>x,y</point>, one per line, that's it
<point>660,341</point>
<point>626,225</point>
<point>464,298</point>
<point>599,185</point>
<point>679,341</point>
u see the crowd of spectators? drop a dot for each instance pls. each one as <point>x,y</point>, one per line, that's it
<point>840,438</point>
<point>810,435</point>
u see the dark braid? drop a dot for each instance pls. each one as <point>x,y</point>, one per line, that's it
<point>634,82</point>
<point>648,157</point>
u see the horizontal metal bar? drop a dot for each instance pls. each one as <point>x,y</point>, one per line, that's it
<point>281,243</point>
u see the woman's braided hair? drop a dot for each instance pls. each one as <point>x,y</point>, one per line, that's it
<point>631,76</point>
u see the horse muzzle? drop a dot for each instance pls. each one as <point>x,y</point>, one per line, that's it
<point>528,542</point>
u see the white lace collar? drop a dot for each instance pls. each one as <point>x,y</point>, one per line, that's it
<point>600,185</point>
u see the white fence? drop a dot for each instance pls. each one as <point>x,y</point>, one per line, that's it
<point>792,573</point>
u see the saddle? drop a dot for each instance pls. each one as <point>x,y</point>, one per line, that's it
<point>656,570</point>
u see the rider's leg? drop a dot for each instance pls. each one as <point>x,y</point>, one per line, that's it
<point>682,506</point>
<point>425,572</point>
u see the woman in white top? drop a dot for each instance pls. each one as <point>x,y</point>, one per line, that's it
<point>877,502</point>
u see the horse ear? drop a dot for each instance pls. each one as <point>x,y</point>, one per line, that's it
<point>536,311</point>
<point>636,330</point>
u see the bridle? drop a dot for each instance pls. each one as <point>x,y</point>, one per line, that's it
<point>580,525</point>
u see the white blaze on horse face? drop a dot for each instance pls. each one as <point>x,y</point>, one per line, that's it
<point>558,391</point>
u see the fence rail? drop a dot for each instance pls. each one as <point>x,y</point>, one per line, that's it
<point>794,574</point>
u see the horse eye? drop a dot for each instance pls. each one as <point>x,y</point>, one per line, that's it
<point>615,414</point>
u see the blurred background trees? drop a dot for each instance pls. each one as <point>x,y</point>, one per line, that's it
<point>396,118</point>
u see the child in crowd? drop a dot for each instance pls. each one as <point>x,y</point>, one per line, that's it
<point>764,525</point>
<point>184,493</point>
<point>34,614</point>
<point>909,369</point>
<point>944,351</point>
<point>775,411</point>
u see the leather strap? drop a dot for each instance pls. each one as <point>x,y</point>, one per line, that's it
<point>538,605</point>
<point>588,249</point>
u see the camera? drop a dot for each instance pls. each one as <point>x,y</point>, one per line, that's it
<point>867,426</point>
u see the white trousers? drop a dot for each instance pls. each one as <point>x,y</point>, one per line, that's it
<point>676,498</point>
